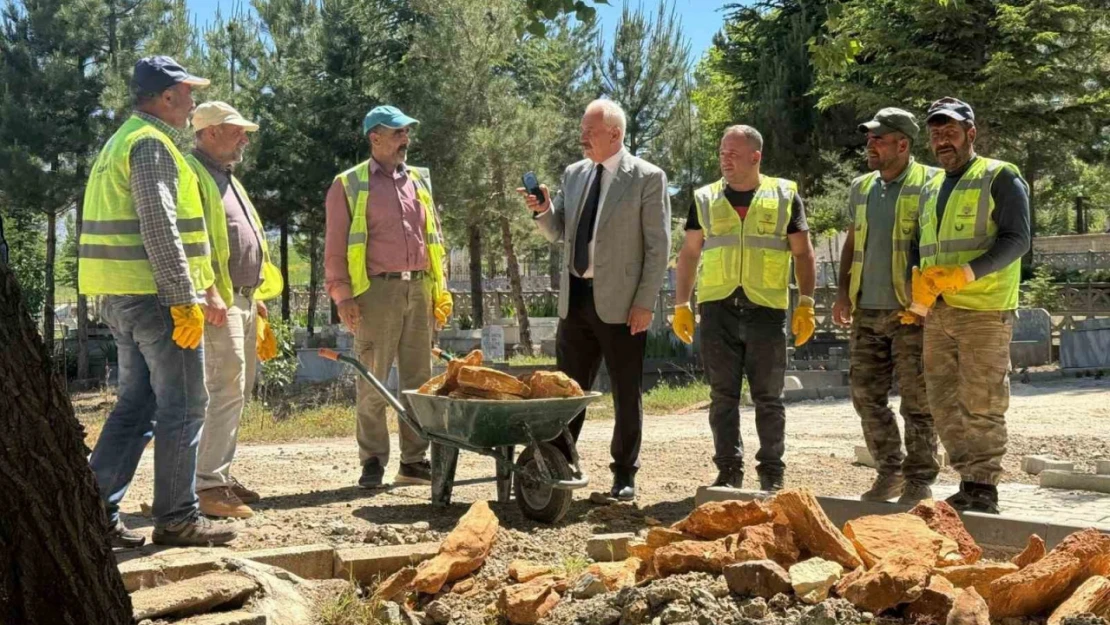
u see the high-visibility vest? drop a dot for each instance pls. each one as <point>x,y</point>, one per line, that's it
<point>967,232</point>
<point>356,185</point>
<point>215,217</point>
<point>113,259</point>
<point>752,252</point>
<point>905,227</point>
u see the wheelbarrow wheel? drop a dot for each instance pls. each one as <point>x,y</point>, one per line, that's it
<point>539,501</point>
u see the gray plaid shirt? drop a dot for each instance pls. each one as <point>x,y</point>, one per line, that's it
<point>154,183</point>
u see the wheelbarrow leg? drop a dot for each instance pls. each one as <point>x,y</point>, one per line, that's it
<point>444,461</point>
<point>504,474</point>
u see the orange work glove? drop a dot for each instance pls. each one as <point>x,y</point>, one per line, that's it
<point>924,294</point>
<point>188,325</point>
<point>949,278</point>
<point>804,321</point>
<point>265,343</point>
<point>442,308</point>
<point>683,323</point>
<point>909,319</point>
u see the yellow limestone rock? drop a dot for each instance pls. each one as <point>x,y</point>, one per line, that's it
<point>526,604</point>
<point>969,609</point>
<point>1045,584</point>
<point>813,531</point>
<point>943,519</point>
<point>978,576</point>
<point>718,519</point>
<point>879,536</point>
<point>616,575</point>
<point>524,571</point>
<point>1092,597</point>
<point>462,552</point>
<point>766,541</point>
<point>1033,552</point>
<point>813,578</point>
<point>690,556</point>
<point>898,578</point>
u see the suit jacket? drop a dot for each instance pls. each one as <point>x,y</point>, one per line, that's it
<point>632,239</point>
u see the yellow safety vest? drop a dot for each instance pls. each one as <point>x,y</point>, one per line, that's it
<point>215,218</point>
<point>905,227</point>
<point>753,252</point>
<point>113,259</point>
<point>966,232</point>
<point>356,185</point>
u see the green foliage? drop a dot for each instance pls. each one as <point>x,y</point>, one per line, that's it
<point>279,373</point>
<point>546,307</point>
<point>663,345</point>
<point>25,234</point>
<point>1041,291</point>
<point>826,207</point>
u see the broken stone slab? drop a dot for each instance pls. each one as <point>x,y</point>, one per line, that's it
<point>525,571</point>
<point>1036,464</point>
<point>306,561</point>
<point>899,578</point>
<point>943,519</point>
<point>757,578</point>
<point>526,604</point>
<point>609,547</point>
<point>718,519</point>
<point>193,596</point>
<point>237,617</point>
<point>978,576</point>
<point>396,585</point>
<point>766,541</point>
<point>168,566</point>
<point>878,537</point>
<point>462,552</point>
<point>813,578</point>
<point>1071,480</point>
<point>1092,597</point>
<point>690,556</point>
<point>1033,552</point>
<point>368,564</point>
<point>587,586</point>
<point>812,528</point>
<point>281,598</point>
<point>1045,584</point>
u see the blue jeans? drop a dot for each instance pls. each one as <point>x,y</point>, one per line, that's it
<point>161,396</point>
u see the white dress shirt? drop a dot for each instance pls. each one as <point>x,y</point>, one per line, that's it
<point>609,169</point>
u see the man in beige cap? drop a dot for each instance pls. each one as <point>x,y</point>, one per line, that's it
<point>235,329</point>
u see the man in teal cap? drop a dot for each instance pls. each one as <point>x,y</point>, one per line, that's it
<point>383,267</point>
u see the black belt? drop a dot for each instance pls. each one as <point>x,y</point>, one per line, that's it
<point>245,291</point>
<point>401,275</point>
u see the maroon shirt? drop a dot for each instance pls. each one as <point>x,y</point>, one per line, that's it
<point>395,230</point>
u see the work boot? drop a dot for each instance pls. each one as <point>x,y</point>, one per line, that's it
<point>915,492</point>
<point>624,487</point>
<point>414,473</point>
<point>244,494</point>
<point>730,477</point>
<point>372,474</point>
<point>960,499</point>
<point>771,482</point>
<point>982,498</point>
<point>196,532</point>
<point>886,486</point>
<point>123,538</point>
<point>222,502</point>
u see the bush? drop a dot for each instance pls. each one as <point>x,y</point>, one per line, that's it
<point>1041,291</point>
<point>279,372</point>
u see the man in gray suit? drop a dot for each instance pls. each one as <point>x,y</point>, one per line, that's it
<point>613,215</point>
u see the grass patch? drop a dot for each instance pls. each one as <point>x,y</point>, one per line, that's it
<point>662,400</point>
<point>573,564</point>
<point>531,361</point>
<point>347,608</point>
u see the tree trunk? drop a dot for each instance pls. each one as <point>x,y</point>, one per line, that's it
<point>57,562</point>
<point>475,245</point>
<point>513,269</point>
<point>284,244</point>
<point>312,278</point>
<point>48,296</point>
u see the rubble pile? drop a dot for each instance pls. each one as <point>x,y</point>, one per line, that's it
<point>781,561</point>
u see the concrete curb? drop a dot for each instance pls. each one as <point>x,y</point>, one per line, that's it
<point>986,529</point>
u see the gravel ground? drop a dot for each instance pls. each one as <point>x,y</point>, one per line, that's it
<point>309,492</point>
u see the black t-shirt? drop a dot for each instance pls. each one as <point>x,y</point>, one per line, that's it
<point>741,200</point>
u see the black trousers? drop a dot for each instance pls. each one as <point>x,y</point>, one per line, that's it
<point>582,341</point>
<point>741,339</point>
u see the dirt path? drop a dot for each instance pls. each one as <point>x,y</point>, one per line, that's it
<point>309,493</point>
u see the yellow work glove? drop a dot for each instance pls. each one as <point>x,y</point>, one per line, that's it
<point>908,318</point>
<point>442,308</point>
<point>948,278</point>
<point>924,294</point>
<point>804,321</point>
<point>266,343</point>
<point>188,325</point>
<point>683,323</point>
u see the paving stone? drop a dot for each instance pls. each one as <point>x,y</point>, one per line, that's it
<point>168,567</point>
<point>1075,481</point>
<point>238,617</point>
<point>609,547</point>
<point>307,561</point>
<point>1035,465</point>
<point>365,564</point>
<point>1102,467</point>
<point>192,596</point>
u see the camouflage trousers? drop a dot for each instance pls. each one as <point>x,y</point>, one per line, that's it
<point>882,349</point>
<point>967,373</point>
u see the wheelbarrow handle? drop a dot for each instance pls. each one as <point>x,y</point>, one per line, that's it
<point>442,354</point>
<point>402,414</point>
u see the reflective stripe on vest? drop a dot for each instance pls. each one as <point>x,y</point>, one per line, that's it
<point>753,252</point>
<point>113,258</point>
<point>965,233</point>
<point>903,233</point>
<point>356,186</point>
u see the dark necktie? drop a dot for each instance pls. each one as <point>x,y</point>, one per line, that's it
<point>586,222</point>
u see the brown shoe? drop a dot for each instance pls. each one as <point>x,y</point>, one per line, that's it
<point>222,502</point>
<point>244,494</point>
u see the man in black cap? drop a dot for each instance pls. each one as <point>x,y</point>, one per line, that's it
<point>874,293</point>
<point>974,230</point>
<point>144,247</point>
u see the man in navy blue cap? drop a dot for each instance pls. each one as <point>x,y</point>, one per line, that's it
<point>383,266</point>
<point>974,230</point>
<point>144,248</point>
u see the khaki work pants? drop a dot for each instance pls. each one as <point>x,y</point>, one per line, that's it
<point>967,367</point>
<point>396,325</point>
<point>230,363</point>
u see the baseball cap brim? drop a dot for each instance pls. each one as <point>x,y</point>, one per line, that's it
<point>400,121</point>
<point>876,127</point>
<point>196,81</point>
<point>247,125</point>
<point>945,113</point>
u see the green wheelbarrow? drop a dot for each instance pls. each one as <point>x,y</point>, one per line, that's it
<point>541,478</point>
